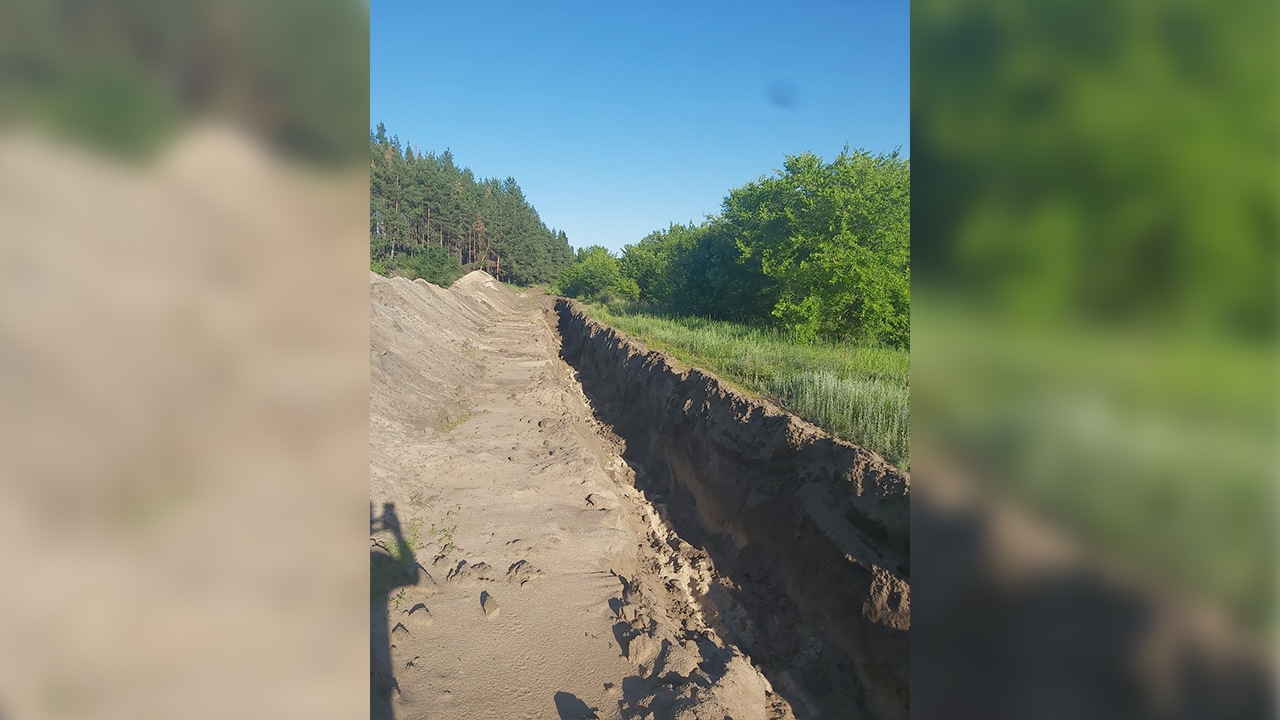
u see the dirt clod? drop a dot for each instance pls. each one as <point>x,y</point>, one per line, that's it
<point>489,605</point>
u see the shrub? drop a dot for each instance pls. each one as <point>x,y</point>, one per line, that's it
<point>595,275</point>
<point>434,265</point>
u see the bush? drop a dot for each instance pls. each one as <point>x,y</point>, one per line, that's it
<point>595,275</point>
<point>821,250</point>
<point>434,265</point>
<point>625,290</point>
<point>836,239</point>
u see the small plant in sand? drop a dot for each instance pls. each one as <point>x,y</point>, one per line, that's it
<point>412,532</point>
<point>418,498</point>
<point>451,424</point>
<point>444,536</point>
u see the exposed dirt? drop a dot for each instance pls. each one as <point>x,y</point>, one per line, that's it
<point>531,558</point>
<point>809,535</point>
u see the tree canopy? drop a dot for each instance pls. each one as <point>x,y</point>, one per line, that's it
<point>424,209</point>
<point>822,249</point>
<point>595,274</point>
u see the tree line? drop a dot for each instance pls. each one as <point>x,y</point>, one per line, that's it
<point>820,249</point>
<point>430,218</point>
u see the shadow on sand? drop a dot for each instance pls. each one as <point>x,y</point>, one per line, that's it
<point>391,566</point>
<point>571,707</point>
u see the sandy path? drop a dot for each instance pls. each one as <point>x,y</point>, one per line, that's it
<point>516,570</point>
<point>509,483</point>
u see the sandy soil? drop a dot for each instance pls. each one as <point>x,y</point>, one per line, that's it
<point>517,573</point>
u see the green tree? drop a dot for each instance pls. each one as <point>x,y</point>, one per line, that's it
<point>836,237</point>
<point>419,201</point>
<point>647,263</point>
<point>822,249</point>
<point>595,274</point>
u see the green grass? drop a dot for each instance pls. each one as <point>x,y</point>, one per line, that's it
<point>445,537</point>
<point>857,393</point>
<point>518,288</point>
<point>389,573</point>
<point>451,424</point>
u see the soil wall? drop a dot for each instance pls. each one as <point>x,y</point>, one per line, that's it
<point>790,515</point>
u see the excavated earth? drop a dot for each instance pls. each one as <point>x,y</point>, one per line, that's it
<point>564,524</point>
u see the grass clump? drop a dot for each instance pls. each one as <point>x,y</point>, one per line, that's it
<point>859,393</point>
<point>868,412</point>
<point>445,537</point>
<point>451,424</point>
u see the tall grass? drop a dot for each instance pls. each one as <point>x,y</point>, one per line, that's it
<point>857,393</point>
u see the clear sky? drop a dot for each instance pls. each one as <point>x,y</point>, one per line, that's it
<point>618,118</point>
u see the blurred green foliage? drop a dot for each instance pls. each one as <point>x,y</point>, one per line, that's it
<point>124,75</point>
<point>1156,451</point>
<point>1095,239</point>
<point>110,107</point>
<point>1115,160</point>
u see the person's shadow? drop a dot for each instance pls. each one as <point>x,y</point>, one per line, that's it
<point>390,568</point>
<point>571,707</point>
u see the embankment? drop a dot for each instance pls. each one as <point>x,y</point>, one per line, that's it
<point>810,534</point>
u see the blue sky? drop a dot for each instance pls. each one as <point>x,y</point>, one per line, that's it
<point>618,118</point>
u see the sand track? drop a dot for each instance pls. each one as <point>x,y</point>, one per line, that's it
<point>517,572</point>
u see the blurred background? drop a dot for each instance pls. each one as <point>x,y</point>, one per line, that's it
<point>1094,357</point>
<point>183,358</point>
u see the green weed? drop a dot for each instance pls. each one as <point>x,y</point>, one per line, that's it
<point>412,531</point>
<point>444,536</point>
<point>419,498</point>
<point>451,424</point>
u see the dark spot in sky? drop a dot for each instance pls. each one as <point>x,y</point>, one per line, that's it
<point>782,94</point>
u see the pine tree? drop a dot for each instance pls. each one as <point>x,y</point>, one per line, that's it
<point>421,204</point>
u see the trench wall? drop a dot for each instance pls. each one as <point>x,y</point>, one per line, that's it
<point>828,520</point>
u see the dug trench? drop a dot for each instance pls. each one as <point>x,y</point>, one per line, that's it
<point>808,535</point>
<point>566,525</point>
